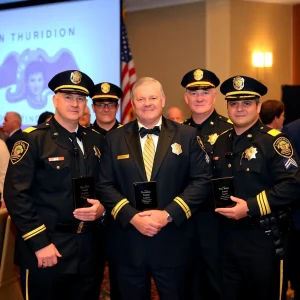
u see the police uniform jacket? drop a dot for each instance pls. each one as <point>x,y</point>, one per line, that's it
<point>182,173</point>
<point>210,129</point>
<point>38,190</point>
<point>102,130</point>
<point>264,165</point>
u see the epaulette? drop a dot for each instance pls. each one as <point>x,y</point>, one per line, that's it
<point>29,129</point>
<point>272,132</point>
<point>225,120</point>
<point>120,125</point>
<point>225,131</point>
<point>94,130</point>
<point>39,126</point>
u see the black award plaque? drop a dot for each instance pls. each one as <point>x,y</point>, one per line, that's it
<point>145,195</point>
<point>223,188</point>
<point>83,188</point>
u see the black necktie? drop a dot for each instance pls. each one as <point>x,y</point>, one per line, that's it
<point>79,157</point>
<point>144,131</point>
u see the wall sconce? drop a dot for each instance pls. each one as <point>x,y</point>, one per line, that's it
<point>262,59</point>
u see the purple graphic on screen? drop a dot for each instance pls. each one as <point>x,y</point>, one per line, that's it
<point>30,72</point>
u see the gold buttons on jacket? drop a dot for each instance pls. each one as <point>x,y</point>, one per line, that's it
<point>57,167</point>
<point>247,169</point>
<point>229,165</point>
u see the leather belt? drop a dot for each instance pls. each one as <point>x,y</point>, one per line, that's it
<point>81,227</point>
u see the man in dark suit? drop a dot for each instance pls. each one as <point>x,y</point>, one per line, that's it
<point>54,241</point>
<point>12,126</point>
<point>155,242</point>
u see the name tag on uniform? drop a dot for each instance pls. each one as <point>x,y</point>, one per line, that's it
<point>56,158</point>
<point>123,156</point>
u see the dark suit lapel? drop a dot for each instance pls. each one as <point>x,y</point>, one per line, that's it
<point>134,145</point>
<point>164,142</point>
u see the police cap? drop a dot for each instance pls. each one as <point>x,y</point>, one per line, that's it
<point>106,91</point>
<point>242,88</point>
<point>200,79</point>
<point>72,81</point>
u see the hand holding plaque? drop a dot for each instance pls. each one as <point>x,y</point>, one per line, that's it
<point>223,188</point>
<point>83,189</point>
<point>145,195</point>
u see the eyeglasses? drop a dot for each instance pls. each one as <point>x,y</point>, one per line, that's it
<point>102,105</point>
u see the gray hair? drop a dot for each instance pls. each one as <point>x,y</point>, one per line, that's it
<point>143,80</point>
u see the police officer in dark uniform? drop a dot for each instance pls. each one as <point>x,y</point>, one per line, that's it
<point>267,179</point>
<point>200,95</point>
<point>105,106</point>
<point>54,241</point>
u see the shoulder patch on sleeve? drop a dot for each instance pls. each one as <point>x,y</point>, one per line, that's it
<point>273,132</point>
<point>29,129</point>
<point>283,147</point>
<point>18,152</point>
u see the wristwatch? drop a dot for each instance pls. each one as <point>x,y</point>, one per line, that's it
<point>169,218</point>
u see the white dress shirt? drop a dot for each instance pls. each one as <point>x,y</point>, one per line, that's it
<point>154,136</point>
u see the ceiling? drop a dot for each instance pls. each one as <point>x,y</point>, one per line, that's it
<point>136,5</point>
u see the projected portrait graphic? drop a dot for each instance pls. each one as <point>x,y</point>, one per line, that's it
<point>26,76</point>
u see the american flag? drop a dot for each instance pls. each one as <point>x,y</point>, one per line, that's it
<point>128,77</point>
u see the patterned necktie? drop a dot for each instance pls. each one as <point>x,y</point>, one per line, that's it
<point>148,155</point>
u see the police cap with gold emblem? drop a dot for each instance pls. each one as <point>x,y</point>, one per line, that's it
<point>72,81</point>
<point>106,91</point>
<point>242,88</point>
<point>200,79</point>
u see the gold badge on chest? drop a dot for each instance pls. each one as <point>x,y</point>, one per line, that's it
<point>176,148</point>
<point>250,153</point>
<point>212,138</point>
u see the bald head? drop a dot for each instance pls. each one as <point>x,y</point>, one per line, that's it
<point>175,114</point>
<point>12,122</point>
